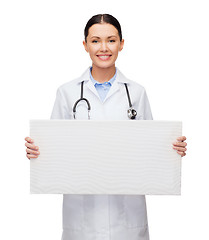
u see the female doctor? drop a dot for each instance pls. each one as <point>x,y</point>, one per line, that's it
<point>104,93</point>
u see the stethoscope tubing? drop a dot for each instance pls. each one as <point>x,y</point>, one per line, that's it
<point>131,112</point>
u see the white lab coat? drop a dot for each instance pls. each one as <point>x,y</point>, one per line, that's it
<point>103,217</point>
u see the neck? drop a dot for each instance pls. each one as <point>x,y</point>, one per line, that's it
<point>102,74</point>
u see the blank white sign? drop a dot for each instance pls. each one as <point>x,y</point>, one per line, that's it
<point>105,157</point>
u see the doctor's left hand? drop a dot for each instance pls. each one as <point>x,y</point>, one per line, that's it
<point>180,145</point>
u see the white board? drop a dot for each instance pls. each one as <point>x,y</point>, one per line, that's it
<point>105,157</point>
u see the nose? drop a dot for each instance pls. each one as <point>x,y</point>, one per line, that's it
<point>104,47</point>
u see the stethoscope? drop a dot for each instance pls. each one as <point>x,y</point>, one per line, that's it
<point>131,112</point>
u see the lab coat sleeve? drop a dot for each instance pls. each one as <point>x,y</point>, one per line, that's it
<point>60,109</point>
<point>144,108</point>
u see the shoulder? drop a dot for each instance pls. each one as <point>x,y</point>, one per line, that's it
<point>66,90</point>
<point>132,84</point>
<point>74,83</point>
<point>68,85</point>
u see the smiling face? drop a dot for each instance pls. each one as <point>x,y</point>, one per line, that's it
<point>103,45</point>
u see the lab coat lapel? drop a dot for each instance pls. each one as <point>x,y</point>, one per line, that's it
<point>86,77</point>
<point>114,88</point>
<point>92,88</point>
<point>120,79</point>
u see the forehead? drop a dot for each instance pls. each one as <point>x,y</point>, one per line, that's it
<point>102,30</point>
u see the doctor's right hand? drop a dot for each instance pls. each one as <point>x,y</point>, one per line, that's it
<point>32,150</point>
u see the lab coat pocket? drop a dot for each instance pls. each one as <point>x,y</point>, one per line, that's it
<point>135,211</point>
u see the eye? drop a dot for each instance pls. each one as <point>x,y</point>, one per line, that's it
<point>94,41</point>
<point>112,40</point>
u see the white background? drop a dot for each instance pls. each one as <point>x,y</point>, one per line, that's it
<point>166,50</point>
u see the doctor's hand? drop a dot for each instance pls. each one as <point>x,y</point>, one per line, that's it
<point>32,150</point>
<point>180,145</point>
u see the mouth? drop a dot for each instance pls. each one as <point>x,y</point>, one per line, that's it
<point>104,57</point>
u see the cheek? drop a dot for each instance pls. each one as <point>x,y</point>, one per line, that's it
<point>114,49</point>
<point>93,49</point>
<point>115,53</point>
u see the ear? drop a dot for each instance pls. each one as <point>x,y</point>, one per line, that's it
<point>85,45</point>
<point>121,44</point>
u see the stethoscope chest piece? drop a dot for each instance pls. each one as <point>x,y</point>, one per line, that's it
<point>132,113</point>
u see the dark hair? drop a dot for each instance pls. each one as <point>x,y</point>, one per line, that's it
<point>100,18</point>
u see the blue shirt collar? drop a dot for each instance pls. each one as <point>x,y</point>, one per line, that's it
<point>96,82</point>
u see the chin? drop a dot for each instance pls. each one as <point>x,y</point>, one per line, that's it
<point>104,65</point>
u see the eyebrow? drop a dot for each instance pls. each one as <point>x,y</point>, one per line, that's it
<point>107,37</point>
